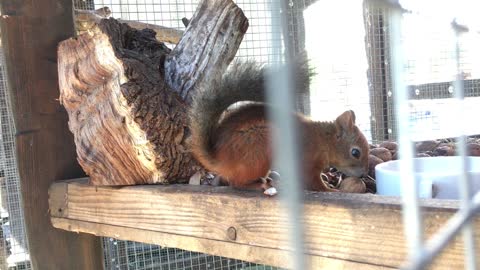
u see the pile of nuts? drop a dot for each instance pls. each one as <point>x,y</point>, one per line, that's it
<point>387,151</point>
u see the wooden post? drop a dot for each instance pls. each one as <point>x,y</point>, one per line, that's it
<point>31,30</point>
<point>378,72</point>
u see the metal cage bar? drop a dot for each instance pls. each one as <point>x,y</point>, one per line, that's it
<point>420,254</point>
<point>411,210</point>
<point>279,86</point>
<point>465,188</point>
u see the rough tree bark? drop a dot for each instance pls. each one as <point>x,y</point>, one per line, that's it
<point>87,19</point>
<point>130,126</point>
<point>190,64</point>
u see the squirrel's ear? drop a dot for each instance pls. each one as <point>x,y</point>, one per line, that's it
<point>345,122</point>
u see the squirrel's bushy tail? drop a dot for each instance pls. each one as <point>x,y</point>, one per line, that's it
<point>243,81</point>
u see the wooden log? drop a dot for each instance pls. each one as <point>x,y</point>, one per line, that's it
<point>45,150</point>
<point>163,34</point>
<point>189,65</point>
<point>352,230</point>
<point>129,126</point>
<point>85,20</point>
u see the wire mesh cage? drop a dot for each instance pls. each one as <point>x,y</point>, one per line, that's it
<point>430,71</point>
<point>349,46</point>
<point>134,255</point>
<point>354,62</point>
<point>257,44</point>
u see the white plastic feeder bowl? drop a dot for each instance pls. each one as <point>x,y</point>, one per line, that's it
<point>437,177</point>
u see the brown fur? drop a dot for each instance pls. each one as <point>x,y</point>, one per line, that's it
<point>242,150</point>
<point>238,147</point>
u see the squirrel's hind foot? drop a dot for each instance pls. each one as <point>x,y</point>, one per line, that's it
<point>272,191</point>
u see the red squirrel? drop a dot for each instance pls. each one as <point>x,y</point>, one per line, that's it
<point>237,144</point>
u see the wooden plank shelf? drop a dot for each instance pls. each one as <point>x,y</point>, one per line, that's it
<point>342,231</point>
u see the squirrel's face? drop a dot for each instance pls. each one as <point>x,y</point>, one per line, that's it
<point>352,147</point>
<point>353,154</point>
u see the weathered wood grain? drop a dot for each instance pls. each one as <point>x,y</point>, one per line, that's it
<point>45,151</point>
<point>365,229</point>
<point>208,45</point>
<point>163,34</point>
<point>261,255</point>
<point>130,126</point>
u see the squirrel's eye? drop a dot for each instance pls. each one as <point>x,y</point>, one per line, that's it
<point>355,153</point>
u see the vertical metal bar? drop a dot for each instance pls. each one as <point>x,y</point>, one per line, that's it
<point>464,187</point>
<point>279,88</point>
<point>412,222</point>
